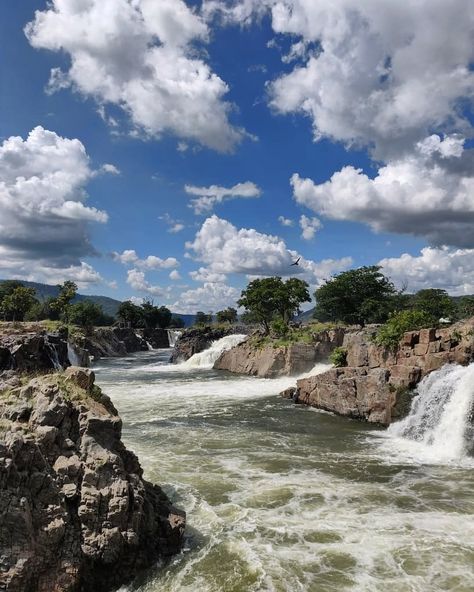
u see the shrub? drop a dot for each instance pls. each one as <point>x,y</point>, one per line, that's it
<point>280,328</point>
<point>339,357</point>
<point>389,335</point>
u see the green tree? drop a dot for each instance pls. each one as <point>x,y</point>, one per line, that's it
<point>130,313</point>
<point>7,287</point>
<point>86,314</point>
<point>41,311</point>
<point>434,302</point>
<point>358,296</point>
<point>62,303</point>
<point>391,332</point>
<point>466,307</point>
<point>155,316</point>
<point>229,315</point>
<point>15,305</point>
<point>270,298</point>
<point>202,318</point>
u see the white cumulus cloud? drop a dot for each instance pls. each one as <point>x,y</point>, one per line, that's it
<point>225,249</point>
<point>44,219</point>
<point>285,221</point>
<point>130,257</point>
<point>208,197</point>
<point>208,297</point>
<point>443,267</point>
<point>136,279</point>
<point>429,193</point>
<point>373,72</point>
<point>309,227</point>
<point>142,56</point>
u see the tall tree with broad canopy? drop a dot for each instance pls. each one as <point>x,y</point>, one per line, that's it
<point>62,303</point>
<point>270,298</point>
<point>434,302</point>
<point>17,303</point>
<point>358,296</point>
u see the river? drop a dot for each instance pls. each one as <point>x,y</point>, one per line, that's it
<point>285,498</point>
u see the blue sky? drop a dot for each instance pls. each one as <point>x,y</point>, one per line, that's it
<point>372,127</point>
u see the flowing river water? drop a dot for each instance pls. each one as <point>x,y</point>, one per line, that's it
<point>284,498</point>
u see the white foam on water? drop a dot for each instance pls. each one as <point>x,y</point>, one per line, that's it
<point>205,359</point>
<point>438,428</point>
<point>272,508</point>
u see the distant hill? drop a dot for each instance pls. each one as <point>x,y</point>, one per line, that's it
<point>109,305</point>
<point>305,317</point>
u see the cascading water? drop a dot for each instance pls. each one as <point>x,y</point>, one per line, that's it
<point>53,354</point>
<point>72,356</point>
<point>280,497</point>
<point>207,358</point>
<point>438,427</point>
<point>173,336</point>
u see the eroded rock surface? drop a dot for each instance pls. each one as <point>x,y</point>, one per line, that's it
<point>270,361</point>
<point>75,511</point>
<point>374,384</point>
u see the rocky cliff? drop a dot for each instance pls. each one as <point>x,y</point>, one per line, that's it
<point>375,382</point>
<point>270,361</point>
<point>76,514</point>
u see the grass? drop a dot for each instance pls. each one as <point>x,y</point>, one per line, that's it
<point>306,334</point>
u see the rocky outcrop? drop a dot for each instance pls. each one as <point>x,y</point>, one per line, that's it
<point>272,361</point>
<point>374,384</point>
<point>197,339</point>
<point>32,352</point>
<point>157,338</point>
<point>107,342</point>
<point>75,511</point>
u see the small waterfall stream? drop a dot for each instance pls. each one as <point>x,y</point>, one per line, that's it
<point>439,424</point>
<point>206,358</point>
<point>173,336</point>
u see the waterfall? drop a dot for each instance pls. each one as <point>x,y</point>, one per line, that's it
<point>173,336</point>
<point>207,358</point>
<point>73,357</point>
<point>439,423</point>
<point>149,346</point>
<point>52,354</point>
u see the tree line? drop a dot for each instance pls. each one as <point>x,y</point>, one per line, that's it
<point>19,303</point>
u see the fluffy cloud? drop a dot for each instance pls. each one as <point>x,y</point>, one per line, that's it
<point>429,194</point>
<point>309,226</point>
<point>136,279</point>
<point>205,275</point>
<point>175,275</point>
<point>44,219</point>
<point>130,257</point>
<point>208,197</point>
<point>225,249</point>
<point>174,226</point>
<point>449,269</point>
<point>285,221</point>
<point>142,56</point>
<point>209,297</point>
<point>373,72</point>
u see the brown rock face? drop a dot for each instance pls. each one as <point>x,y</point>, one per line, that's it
<point>271,362</point>
<point>76,514</point>
<point>373,386</point>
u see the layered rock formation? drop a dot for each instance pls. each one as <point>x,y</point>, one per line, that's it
<point>270,361</point>
<point>107,342</point>
<point>374,384</point>
<point>75,511</point>
<point>33,351</point>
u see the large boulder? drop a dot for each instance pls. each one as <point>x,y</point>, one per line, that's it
<point>75,511</point>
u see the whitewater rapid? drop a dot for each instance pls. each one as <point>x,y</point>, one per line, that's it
<point>282,498</point>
